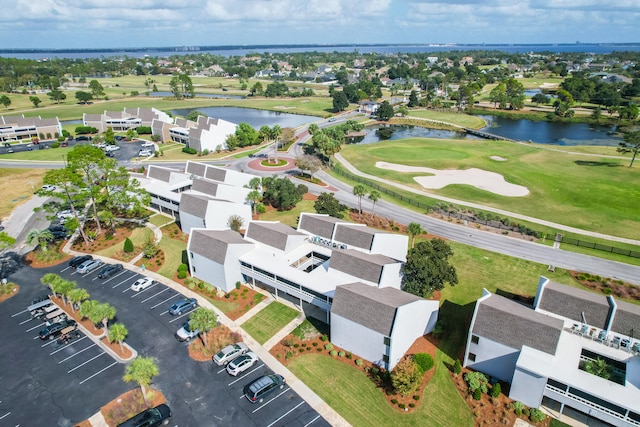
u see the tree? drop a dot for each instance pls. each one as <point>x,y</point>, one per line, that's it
<point>631,144</point>
<point>141,370</point>
<point>127,246</point>
<point>39,238</point>
<point>51,279</point>
<point>280,193</point>
<point>83,97</point>
<point>414,229</point>
<point>87,311</point>
<point>374,196</point>
<point>255,183</point>
<point>360,191</point>
<point>540,98</point>
<point>235,222</point>
<point>427,268</point>
<point>105,312</point>
<point>340,101</point>
<point>57,96</point>
<point>257,89</point>
<point>385,111</point>
<point>246,135</point>
<point>406,376</point>
<point>96,89</point>
<point>118,332</point>
<point>328,204</point>
<point>35,101</point>
<point>76,296</point>
<point>64,287</point>
<point>476,381</point>
<point>254,197</point>
<point>599,367</point>
<point>413,99</point>
<point>204,320</point>
<point>6,240</point>
<point>307,162</point>
<point>5,100</point>
<point>194,114</point>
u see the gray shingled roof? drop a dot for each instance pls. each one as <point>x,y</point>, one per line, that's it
<point>274,234</point>
<point>365,266</point>
<point>159,173</point>
<point>572,302</point>
<point>374,308</point>
<point>514,325</point>
<point>205,186</point>
<point>355,235</point>
<point>213,244</point>
<point>196,168</point>
<point>320,225</point>
<point>216,174</point>
<point>194,204</point>
<point>627,319</point>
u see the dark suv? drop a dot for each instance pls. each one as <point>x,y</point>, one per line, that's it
<point>53,331</point>
<point>149,418</point>
<point>257,389</point>
<point>76,261</point>
<point>109,270</point>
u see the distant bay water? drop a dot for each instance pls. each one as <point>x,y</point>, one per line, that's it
<point>227,51</point>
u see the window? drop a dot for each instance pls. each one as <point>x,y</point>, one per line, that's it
<point>387,341</point>
<point>385,358</point>
<point>472,357</point>
<point>475,339</point>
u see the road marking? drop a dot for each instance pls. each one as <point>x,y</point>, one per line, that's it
<point>84,363</point>
<point>124,281</point>
<point>49,342</point>
<point>222,370</point>
<point>97,373</point>
<point>143,290</point>
<point>111,278</point>
<point>5,415</point>
<point>68,345</point>
<point>287,413</point>
<point>312,421</point>
<point>162,302</point>
<point>36,327</point>
<point>26,321</point>
<point>77,353</point>
<point>153,296</point>
<point>65,269</point>
<point>179,317</point>
<point>248,373</point>
<point>265,404</point>
<point>19,313</point>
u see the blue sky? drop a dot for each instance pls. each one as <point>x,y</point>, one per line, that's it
<point>148,23</point>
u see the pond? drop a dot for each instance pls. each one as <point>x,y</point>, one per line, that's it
<point>391,133</point>
<point>254,117</point>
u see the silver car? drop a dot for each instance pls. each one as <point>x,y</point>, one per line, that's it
<point>229,353</point>
<point>88,266</point>
<point>242,363</point>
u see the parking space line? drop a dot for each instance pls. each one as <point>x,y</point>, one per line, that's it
<point>68,345</point>
<point>36,327</point>
<point>222,370</point>
<point>116,276</point>
<point>287,413</point>
<point>125,280</point>
<point>77,353</point>
<point>265,404</point>
<point>162,302</point>
<point>153,296</point>
<point>180,317</point>
<point>5,415</point>
<point>49,342</point>
<point>312,421</point>
<point>85,362</point>
<point>25,321</point>
<point>248,373</point>
<point>19,313</point>
<point>97,373</point>
<point>144,290</point>
<point>65,269</point>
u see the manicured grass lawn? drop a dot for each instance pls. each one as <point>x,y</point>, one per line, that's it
<point>289,217</point>
<point>465,120</point>
<point>355,397</point>
<point>139,236</point>
<point>172,249</point>
<point>590,193</point>
<point>50,155</point>
<point>158,219</point>
<point>268,321</point>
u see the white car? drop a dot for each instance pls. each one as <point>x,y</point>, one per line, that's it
<point>185,333</point>
<point>229,353</point>
<point>148,144</point>
<point>242,363</point>
<point>112,148</point>
<point>88,266</point>
<point>49,187</point>
<point>142,283</point>
<point>145,153</point>
<point>65,214</point>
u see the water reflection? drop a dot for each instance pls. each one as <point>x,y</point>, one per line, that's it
<point>255,118</point>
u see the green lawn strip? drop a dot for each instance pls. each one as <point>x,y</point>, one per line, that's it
<point>356,398</point>
<point>602,202</point>
<point>464,120</point>
<point>289,217</point>
<point>139,236</point>
<point>268,321</point>
<point>224,306</point>
<point>48,155</point>
<point>159,219</point>
<point>173,250</point>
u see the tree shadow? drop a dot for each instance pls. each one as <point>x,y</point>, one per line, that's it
<point>456,320</point>
<point>593,163</point>
<point>522,299</point>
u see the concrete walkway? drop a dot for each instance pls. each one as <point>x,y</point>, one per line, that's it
<point>249,314</point>
<point>357,172</point>
<point>284,331</point>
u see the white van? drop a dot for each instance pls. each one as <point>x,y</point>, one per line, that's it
<point>37,309</point>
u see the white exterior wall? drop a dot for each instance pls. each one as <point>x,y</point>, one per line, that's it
<point>492,358</point>
<point>392,245</point>
<point>217,135</point>
<point>391,276</point>
<point>189,221</point>
<point>357,339</point>
<point>231,193</point>
<point>527,387</point>
<point>412,321</point>
<point>207,270</point>
<point>218,214</point>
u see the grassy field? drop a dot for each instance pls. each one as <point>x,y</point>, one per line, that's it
<point>139,236</point>
<point>604,200</point>
<point>268,321</point>
<point>173,250</point>
<point>465,120</point>
<point>17,186</point>
<point>355,397</point>
<point>289,217</point>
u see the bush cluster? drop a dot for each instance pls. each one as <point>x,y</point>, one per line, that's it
<point>424,361</point>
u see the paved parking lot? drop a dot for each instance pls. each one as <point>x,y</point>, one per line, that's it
<point>199,393</point>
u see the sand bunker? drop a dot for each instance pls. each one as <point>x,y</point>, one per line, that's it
<point>484,180</point>
<point>498,159</point>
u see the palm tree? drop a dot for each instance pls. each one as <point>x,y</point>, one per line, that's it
<point>88,311</point>
<point>313,128</point>
<point>63,287</point>
<point>599,367</point>
<point>254,197</point>
<point>414,229</point>
<point>275,134</point>
<point>118,332</point>
<point>40,237</point>
<point>255,183</point>
<point>141,370</point>
<point>374,196</point>
<point>105,312</point>
<point>76,296</point>
<point>50,279</point>
<point>204,320</point>
<point>360,191</point>
<point>235,222</point>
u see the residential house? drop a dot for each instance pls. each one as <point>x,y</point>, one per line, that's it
<point>206,133</point>
<point>19,127</point>
<point>129,118</point>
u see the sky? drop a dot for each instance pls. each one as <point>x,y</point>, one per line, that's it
<point>156,23</point>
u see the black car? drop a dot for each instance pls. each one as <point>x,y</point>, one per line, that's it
<point>149,418</point>
<point>257,389</point>
<point>76,261</point>
<point>109,270</point>
<point>183,305</point>
<point>53,331</point>
<point>56,227</point>
<point>60,235</point>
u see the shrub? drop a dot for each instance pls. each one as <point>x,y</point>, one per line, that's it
<point>496,390</point>
<point>375,370</point>
<point>424,361</point>
<point>288,342</point>
<point>333,353</point>
<point>526,412</point>
<point>319,349</point>
<point>289,355</point>
<point>260,208</point>
<point>182,275</point>
<point>416,397</point>
<point>296,345</point>
<point>438,330</point>
<point>328,346</point>
<point>536,415</point>
<point>189,150</point>
<point>476,380</point>
<point>518,407</point>
<point>477,394</point>
<point>394,401</point>
<point>324,338</point>
<point>349,355</point>
<point>457,367</point>
<point>412,405</point>
<point>341,353</point>
<point>55,145</point>
<point>406,376</point>
<point>315,344</point>
<point>402,406</point>
<point>128,245</point>
<point>359,362</point>
<point>183,267</point>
